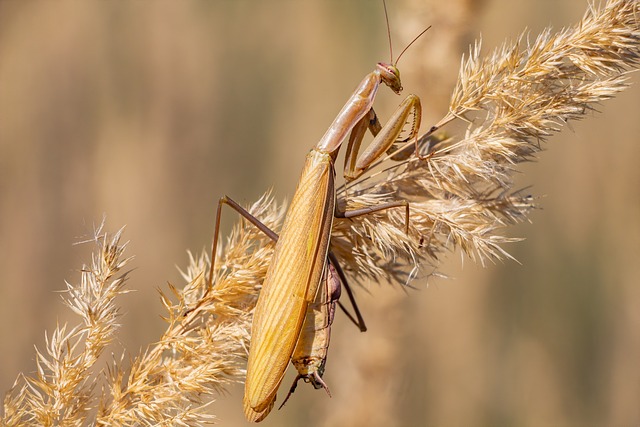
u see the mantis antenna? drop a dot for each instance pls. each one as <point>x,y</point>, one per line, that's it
<point>386,17</point>
<point>412,42</point>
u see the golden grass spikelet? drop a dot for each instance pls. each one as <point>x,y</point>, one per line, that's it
<point>62,393</point>
<point>205,345</point>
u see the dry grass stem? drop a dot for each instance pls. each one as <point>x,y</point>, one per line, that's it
<point>461,196</point>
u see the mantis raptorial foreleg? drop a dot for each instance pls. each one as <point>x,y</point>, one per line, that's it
<point>385,139</point>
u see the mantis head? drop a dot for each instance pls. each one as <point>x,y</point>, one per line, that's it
<point>390,75</point>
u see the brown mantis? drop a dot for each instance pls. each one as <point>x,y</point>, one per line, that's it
<point>299,263</point>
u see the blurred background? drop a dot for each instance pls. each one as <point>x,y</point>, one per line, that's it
<point>147,112</point>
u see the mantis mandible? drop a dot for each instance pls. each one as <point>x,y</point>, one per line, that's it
<point>300,255</point>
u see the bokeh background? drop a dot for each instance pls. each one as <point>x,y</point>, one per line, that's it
<point>147,112</point>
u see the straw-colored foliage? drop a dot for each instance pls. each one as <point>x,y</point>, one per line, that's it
<point>460,196</point>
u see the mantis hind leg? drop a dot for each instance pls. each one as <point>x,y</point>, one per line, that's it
<point>358,320</point>
<point>370,209</point>
<point>225,200</point>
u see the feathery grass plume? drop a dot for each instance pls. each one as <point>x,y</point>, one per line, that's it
<point>203,349</point>
<point>513,100</point>
<point>205,345</point>
<point>63,392</point>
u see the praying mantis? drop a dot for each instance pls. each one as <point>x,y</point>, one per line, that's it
<point>291,290</point>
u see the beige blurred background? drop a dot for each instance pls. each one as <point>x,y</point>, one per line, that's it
<point>147,112</point>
